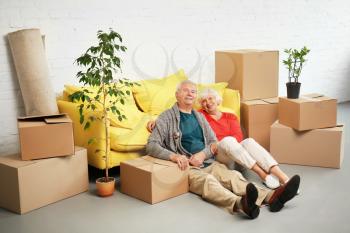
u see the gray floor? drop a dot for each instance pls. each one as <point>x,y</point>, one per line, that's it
<point>323,206</point>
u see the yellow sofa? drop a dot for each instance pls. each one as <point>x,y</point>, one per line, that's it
<point>129,137</point>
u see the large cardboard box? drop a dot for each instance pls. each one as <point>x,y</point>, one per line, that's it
<point>318,147</point>
<point>152,180</point>
<point>257,118</point>
<point>28,185</point>
<point>312,111</point>
<point>253,72</point>
<point>45,136</point>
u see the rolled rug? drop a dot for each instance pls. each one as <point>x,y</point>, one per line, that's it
<point>32,71</point>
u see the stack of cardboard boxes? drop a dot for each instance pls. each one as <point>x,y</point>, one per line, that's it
<point>255,74</point>
<point>49,167</point>
<point>307,131</point>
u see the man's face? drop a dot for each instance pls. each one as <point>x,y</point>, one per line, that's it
<point>187,95</point>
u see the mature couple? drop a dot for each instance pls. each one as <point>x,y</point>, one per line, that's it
<point>189,138</point>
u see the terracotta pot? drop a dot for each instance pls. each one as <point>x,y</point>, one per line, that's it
<point>105,189</point>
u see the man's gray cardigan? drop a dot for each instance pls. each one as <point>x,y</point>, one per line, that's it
<point>166,136</point>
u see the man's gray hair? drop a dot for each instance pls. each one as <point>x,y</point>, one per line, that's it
<point>207,92</point>
<point>178,87</point>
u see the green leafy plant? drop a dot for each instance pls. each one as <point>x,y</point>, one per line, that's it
<point>295,62</point>
<point>100,63</point>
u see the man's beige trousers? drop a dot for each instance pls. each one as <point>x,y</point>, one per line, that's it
<point>221,186</point>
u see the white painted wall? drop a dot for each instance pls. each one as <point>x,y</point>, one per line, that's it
<point>163,36</point>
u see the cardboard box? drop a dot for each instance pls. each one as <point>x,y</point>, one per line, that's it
<point>318,147</point>
<point>152,180</point>
<point>257,116</point>
<point>253,72</point>
<point>45,136</point>
<point>28,185</point>
<point>311,111</point>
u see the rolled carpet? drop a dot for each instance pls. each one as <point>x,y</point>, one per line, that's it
<point>32,71</point>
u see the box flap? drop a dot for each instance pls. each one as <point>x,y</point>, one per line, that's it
<point>247,51</point>
<point>15,161</point>
<point>336,128</point>
<point>159,161</point>
<point>49,119</point>
<point>277,124</point>
<point>39,117</point>
<point>254,102</point>
<point>58,119</point>
<point>149,163</point>
<point>315,97</point>
<point>271,100</point>
<point>137,162</point>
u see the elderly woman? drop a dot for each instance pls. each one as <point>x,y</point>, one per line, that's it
<point>246,152</point>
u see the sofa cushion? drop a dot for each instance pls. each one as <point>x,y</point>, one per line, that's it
<point>156,95</point>
<point>219,87</point>
<point>130,139</point>
<point>231,102</point>
<point>129,108</point>
<point>115,158</point>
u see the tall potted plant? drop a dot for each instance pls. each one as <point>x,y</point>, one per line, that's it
<point>100,64</point>
<point>294,64</point>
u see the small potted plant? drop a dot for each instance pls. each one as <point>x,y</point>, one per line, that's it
<point>100,64</point>
<point>294,64</point>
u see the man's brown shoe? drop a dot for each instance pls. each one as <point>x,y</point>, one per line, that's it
<point>284,193</point>
<point>248,202</point>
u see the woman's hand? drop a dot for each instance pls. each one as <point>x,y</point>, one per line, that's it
<point>197,159</point>
<point>150,125</point>
<point>214,148</point>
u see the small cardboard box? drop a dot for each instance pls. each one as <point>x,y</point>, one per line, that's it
<point>152,180</point>
<point>318,147</point>
<point>257,118</point>
<point>253,72</point>
<point>311,111</point>
<point>28,185</point>
<point>45,136</point>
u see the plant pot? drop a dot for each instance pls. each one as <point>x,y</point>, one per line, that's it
<point>105,188</point>
<point>293,90</point>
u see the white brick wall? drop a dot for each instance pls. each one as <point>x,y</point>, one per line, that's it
<point>163,36</point>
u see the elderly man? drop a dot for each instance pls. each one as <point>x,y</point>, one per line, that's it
<point>182,135</point>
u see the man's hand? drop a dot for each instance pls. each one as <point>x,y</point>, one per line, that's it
<point>150,125</point>
<point>181,160</point>
<point>197,159</point>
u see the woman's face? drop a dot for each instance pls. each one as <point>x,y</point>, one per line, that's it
<point>209,104</point>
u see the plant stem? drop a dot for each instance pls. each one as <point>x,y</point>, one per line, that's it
<point>106,133</point>
<point>293,74</point>
<point>106,122</point>
<point>290,79</point>
<point>300,68</point>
